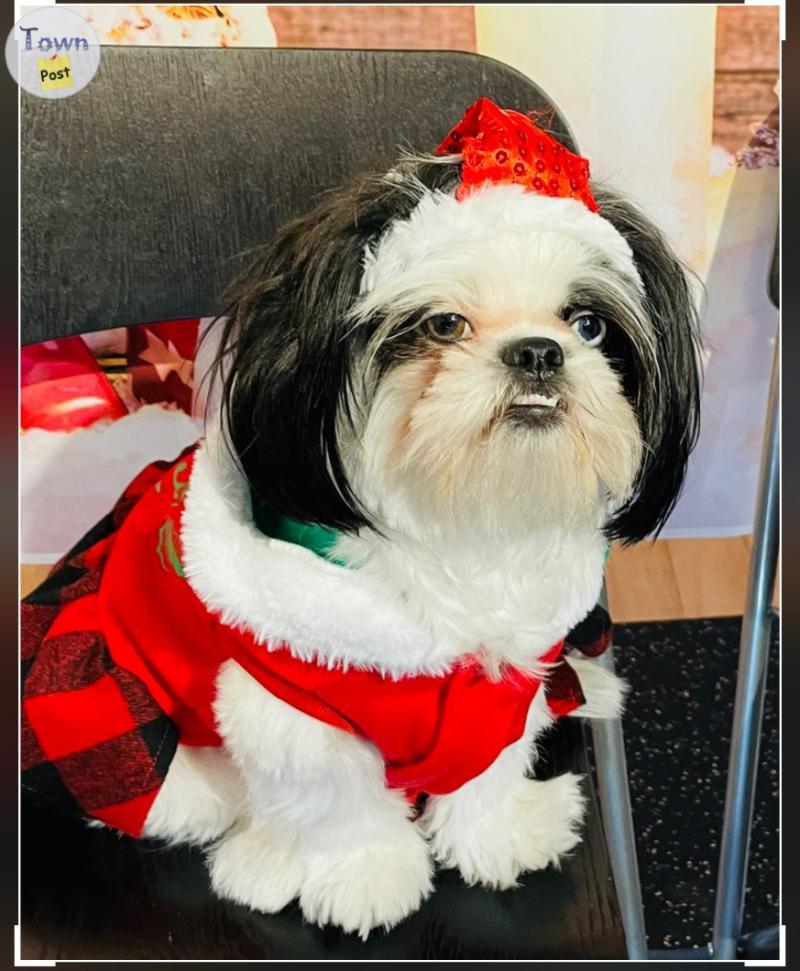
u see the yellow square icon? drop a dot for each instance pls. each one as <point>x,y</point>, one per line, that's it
<point>55,72</point>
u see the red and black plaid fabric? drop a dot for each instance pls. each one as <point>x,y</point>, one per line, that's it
<point>108,766</point>
<point>590,637</point>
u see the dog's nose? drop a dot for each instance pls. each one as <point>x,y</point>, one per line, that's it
<point>534,355</point>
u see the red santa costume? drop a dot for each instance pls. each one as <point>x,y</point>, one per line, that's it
<point>120,657</point>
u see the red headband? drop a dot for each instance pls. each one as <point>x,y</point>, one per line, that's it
<point>507,147</point>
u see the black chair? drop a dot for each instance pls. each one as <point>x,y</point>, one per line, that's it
<point>138,194</point>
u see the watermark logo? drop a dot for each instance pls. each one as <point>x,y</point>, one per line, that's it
<point>52,52</point>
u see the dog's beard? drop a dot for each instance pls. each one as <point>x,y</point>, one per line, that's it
<point>444,448</point>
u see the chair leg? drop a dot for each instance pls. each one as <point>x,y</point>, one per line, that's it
<point>615,804</point>
<point>750,689</point>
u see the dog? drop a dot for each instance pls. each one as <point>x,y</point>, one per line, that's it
<point>439,396</point>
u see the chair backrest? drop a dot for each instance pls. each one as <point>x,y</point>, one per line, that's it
<point>139,193</point>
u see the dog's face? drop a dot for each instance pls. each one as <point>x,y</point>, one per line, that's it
<point>498,398</point>
<point>409,361</point>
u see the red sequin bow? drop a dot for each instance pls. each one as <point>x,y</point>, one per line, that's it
<point>504,146</point>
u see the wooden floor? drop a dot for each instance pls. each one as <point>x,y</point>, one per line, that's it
<point>678,578</point>
<point>664,580</point>
<point>30,577</point>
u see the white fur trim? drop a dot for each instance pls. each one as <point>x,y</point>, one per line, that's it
<point>440,220</point>
<point>285,594</point>
<point>396,613</point>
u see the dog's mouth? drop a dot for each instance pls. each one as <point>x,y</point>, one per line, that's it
<point>534,409</point>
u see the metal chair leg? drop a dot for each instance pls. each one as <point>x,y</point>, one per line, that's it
<point>615,804</point>
<point>750,689</point>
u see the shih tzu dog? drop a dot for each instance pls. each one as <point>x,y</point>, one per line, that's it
<point>333,629</point>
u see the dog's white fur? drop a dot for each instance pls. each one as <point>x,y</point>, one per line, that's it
<point>475,551</point>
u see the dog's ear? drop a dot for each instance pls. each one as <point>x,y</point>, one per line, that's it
<point>665,391</point>
<point>289,349</point>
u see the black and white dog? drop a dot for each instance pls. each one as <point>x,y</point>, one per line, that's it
<point>473,393</point>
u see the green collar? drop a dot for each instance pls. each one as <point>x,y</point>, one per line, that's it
<point>318,539</point>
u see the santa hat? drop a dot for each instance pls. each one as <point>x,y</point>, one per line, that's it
<point>534,182</point>
<point>504,146</point>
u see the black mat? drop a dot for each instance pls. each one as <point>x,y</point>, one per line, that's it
<point>677,732</point>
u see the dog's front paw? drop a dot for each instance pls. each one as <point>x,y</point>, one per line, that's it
<point>534,826</point>
<point>368,887</point>
<point>545,819</point>
<point>253,868</point>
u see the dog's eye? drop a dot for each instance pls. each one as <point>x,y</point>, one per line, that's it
<point>447,327</point>
<point>589,327</point>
